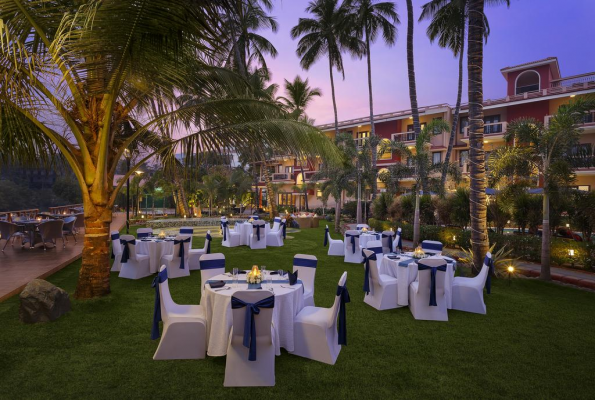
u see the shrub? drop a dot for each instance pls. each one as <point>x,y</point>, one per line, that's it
<point>349,209</point>
<point>381,205</point>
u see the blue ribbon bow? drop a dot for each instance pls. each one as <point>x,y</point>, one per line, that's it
<point>160,278</point>
<point>125,250</point>
<point>181,251</point>
<point>399,243</point>
<point>283,225</point>
<point>349,235</point>
<point>367,273</point>
<point>326,233</point>
<point>115,236</point>
<point>257,227</point>
<point>342,326</point>
<point>422,267</point>
<point>208,239</point>
<point>223,227</point>
<point>490,263</point>
<point>249,324</point>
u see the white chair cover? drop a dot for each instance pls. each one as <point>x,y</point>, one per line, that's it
<point>419,295</point>
<point>230,238</point>
<point>195,254</point>
<point>398,238</point>
<point>306,265</point>
<point>143,232</point>
<point>276,224</point>
<point>254,242</point>
<point>173,261</point>
<point>383,288</point>
<point>432,247</point>
<point>116,251</point>
<point>359,227</point>
<point>137,266</point>
<point>353,253</point>
<point>211,265</point>
<point>335,246</point>
<point>275,238</point>
<point>467,293</point>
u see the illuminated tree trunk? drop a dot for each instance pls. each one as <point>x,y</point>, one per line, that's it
<point>271,195</point>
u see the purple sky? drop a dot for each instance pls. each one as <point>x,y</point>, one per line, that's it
<point>529,30</point>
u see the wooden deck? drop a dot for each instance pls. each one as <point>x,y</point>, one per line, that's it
<point>19,266</point>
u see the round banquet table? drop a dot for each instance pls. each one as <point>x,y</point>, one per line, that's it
<point>289,300</point>
<point>245,229</point>
<point>364,238</point>
<point>405,270</point>
<point>155,248</point>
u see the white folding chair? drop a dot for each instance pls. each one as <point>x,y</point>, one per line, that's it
<point>315,329</point>
<point>306,265</point>
<point>239,369</point>
<point>184,326</point>
<point>432,247</point>
<point>195,254</point>
<point>353,253</point>
<point>398,242</point>
<point>420,291</point>
<point>210,266</point>
<point>135,266</point>
<point>335,246</point>
<point>177,262</point>
<point>467,293</point>
<point>257,242</point>
<point>230,238</point>
<point>143,232</point>
<point>380,290</point>
<point>116,251</point>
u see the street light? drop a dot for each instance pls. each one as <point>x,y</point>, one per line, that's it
<point>138,173</point>
<point>127,155</point>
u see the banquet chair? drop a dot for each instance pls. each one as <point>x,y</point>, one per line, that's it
<point>353,253</point>
<point>8,231</point>
<point>398,242</point>
<point>80,222</point>
<point>137,265</point>
<point>239,370</point>
<point>50,231</point>
<point>275,238</point>
<point>359,227</point>
<point>383,288</point>
<point>255,241</point>
<point>254,217</point>
<point>306,265</point>
<point>387,241</point>
<point>276,224</point>
<point>467,293</point>
<point>195,254</point>
<point>420,292</point>
<point>184,326</point>
<point>116,251</point>
<point>375,246</point>
<point>335,246</point>
<point>432,247</point>
<point>178,266</point>
<point>68,228</point>
<point>187,230</point>
<point>315,329</point>
<point>143,232</point>
<point>230,238</point>
<point>210,266</point>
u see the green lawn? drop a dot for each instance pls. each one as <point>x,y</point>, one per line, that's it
<point>537,341</point>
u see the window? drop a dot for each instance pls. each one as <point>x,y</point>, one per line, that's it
<point>411,133</point>
<point>583,149</point>
<point>492,124</point>
<point>285,199</point>
<point>361,135</point>
<point>527,81</point>
<point>437,131</point>
<point>289,170</point>
<point>584,188</point>
<point>463,158</point>
<point>437,157</point>
<point>387,155</point>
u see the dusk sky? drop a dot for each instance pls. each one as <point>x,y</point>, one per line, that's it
<point>528,30</point>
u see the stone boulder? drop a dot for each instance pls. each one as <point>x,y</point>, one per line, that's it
<point>42,302</point>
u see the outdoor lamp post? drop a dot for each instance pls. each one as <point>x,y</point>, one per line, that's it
<point>137,194</point>
<point>127,155</point>
<point>510,270</point>
<point>571,254</point>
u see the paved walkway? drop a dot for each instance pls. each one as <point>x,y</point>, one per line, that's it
<point>19,266</point>
<point>566,275</point>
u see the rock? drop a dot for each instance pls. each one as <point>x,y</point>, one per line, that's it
<point>42,302</point>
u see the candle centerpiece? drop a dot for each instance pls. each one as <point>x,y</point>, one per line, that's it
<point>254,278</point>
<point>418,253</point>
<point>364,229</point>
<point>161,235</point>
<point>251,220</point>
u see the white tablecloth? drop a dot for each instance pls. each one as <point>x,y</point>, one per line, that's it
<point>155,248</point>
<point>246,228</point>
<point>408,274</point>
<point>364,238</point>
<point>217,305</point>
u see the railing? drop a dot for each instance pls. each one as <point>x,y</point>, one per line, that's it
<point>404,136</point>
<point>588,119</point>
<point>583,161</point>
<point>494,128</point>
<point>71,208</point>
<point>278,177</point>
<point>574,80</point>
<point>9,215</point>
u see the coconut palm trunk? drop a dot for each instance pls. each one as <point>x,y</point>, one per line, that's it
<point>330,64</point>
<point>416,221</point>
<point>478,208</point>
<point>372,128</point>
<point>411,69</point>
<point>545,239</point>
<point>305,186</point>
<point>338,214</point>
<point>271,197</point>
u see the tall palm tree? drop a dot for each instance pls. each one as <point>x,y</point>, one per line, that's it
<point>326,34</point>
<point>71,72</point>
<point>549,150</point>
<point>411,70</point>
<point>370,20</point>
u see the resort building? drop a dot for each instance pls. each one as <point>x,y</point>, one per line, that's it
<point>534,89</point>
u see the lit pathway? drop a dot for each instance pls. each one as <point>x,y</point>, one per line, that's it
<point>19,266</point>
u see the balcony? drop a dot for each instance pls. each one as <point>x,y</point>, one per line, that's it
<point>588,125</point>
<point>492,131</point>
<point>279,177</point>
<point>408,136</point>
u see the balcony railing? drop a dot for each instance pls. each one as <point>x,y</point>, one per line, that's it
<point>494,128</point>
<point>588,119</point>
<point>574,80</point>
<point>404,136</point>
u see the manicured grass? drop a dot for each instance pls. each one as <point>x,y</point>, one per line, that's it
<point>537,341</point>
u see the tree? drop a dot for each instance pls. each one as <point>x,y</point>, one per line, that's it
<point>411,72</point>
<point>548,151</point>
<point>73,71</point>
<point>370,19</point>
<point>326,34</point>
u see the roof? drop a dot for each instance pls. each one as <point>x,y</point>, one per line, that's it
<point>543,61</point>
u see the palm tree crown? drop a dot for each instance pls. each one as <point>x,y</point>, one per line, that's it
<point>299,95</point>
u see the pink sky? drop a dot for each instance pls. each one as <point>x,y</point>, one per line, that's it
<point>528,30</point>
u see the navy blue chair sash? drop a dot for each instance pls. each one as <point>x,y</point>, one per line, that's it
<point>114,236</point>
<point>490,263</point>
<point>399,243</point>
<point>349,235</point>
<point>277,219</point>
<point>212,264</point>
<point>125,250</point>
<point>390,239</point>
<point>142,235</point>
<point>186,231</point>
<point>257,227</point>
<point>249,324</point>
<point>376,250</point>
<point>304,262</point>
<point>181,251</point>
<point>283,226</point>
<point>422,267</point>
<point>160,278</point>
<point>433,247</point>
<point>342,326</point>
<point>367,272</point>
<point>223,228</point>
<point>326,233</point>
<point>208,239</point>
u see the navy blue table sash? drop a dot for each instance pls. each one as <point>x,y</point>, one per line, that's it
<point>160,278</point>
<point>326,233</point>
<point>186,231</point>
<point>304,262</point>
<point>142,235</point>
<point>367,273</point>
<point>284,226</point>
<point>223,226</point>
<point>249,324</point>
<point>212,264</point>
<point>342,326</point>
<point>208,239</point>
<point>257,227</point>
<point>490,263</point>
<point>115,236</point>
<point>181,251</point>
<point>421,267</point>
<point>349,235</point>
<point>125,250</point>
<point>390,238</point>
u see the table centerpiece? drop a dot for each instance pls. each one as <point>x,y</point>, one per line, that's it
<point>418,253</point>
<point>254,278</point>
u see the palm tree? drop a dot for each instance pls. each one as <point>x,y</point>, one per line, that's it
<point>73,71</point>
<point>550,150</point>
<point>448,26</point>
<point>411,70</point>
<point>420,166</point>
<point>325,34</point>
<point>371,19</point>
